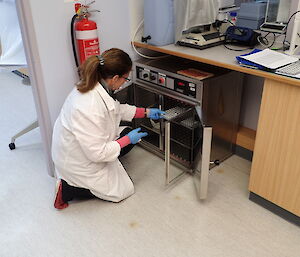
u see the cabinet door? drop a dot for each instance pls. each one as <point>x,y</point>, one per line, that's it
<point>275,171</point>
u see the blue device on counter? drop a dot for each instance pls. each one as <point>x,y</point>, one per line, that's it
<point>241,35</point>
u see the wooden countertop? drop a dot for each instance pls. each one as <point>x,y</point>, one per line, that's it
<point>217,56</point>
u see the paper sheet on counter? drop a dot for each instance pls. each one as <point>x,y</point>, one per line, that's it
<point>270,58</point>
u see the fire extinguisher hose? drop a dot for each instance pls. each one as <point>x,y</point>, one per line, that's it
<point>73,39</point>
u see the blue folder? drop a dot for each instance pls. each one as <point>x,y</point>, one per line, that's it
<point>249,64</point>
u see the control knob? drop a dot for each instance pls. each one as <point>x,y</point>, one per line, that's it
<point>161,80</point>
<point>152,77</point>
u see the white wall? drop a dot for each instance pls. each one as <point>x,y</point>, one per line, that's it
<point>113,24</point>
<point>51,21</point>
<point>136,15</point>
<point>11,46</point>
<point>52,27</point>
<point>46,31</point>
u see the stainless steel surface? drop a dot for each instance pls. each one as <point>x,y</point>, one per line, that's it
<point>161,154</point>
<point>173,112</point>
<point>30,127</point>
<point>167,151</point>
<point>167,71</point>
<point>175,95</point>
<point>161,132</point>
<point>201,118</point>
<point>206,149</point>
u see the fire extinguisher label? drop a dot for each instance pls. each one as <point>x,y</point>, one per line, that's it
<point>91,47</point>
<point>86,34</point>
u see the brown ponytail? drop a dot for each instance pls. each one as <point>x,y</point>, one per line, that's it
<point>112,62</point>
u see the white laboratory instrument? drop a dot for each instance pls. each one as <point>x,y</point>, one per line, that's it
<point>277,15</point>
<point>202,40</point>
<point>159,22</point>
<point>295,39</point>
<point>196,28</point>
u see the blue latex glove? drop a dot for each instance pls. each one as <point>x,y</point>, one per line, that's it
<point>155,113</point>
<point>135,135</point>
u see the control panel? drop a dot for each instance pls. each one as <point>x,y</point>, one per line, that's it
<point>158,78</point>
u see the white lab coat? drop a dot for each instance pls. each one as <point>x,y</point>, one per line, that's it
<point>84,149</point>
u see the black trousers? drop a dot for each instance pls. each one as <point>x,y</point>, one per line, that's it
<point>70,192</point>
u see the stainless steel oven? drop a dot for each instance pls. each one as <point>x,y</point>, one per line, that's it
<point>201,121</point>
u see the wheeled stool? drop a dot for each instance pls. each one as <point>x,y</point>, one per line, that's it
<point>32,126</point>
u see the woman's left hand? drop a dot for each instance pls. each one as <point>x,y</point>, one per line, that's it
<point>154,113</point>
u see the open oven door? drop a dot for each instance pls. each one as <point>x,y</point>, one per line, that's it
<point>202,162</point>
<point>202,151</point>
<point>172,172</point>
<point>179,128</point>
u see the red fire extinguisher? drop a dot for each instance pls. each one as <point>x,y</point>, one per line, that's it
<point>86,37</point>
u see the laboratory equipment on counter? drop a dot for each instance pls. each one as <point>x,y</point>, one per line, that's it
<point>186,22</point>
<point>202,37</point>
<point>225,7</point>
<point>241,36</point>
<point>201,120</point>
<point>277,15</point>
<point>295,39</point>
<point>165,20</point>
<point>159,22</point>
<point>199,29</point>
<point>251,15</point>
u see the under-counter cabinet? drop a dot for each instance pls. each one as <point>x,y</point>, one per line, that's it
<point>275,172</point>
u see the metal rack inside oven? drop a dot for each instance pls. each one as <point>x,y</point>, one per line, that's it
<point>185,130</point>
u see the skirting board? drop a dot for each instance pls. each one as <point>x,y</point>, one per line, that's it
<point>247,154</point>
<point>275,209</point>
<point>243,152</point>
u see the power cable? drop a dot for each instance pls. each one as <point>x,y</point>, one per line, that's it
<point>134,48</point>
<point>283,46</point>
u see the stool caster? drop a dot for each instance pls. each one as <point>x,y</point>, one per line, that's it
<point>12,146</point>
